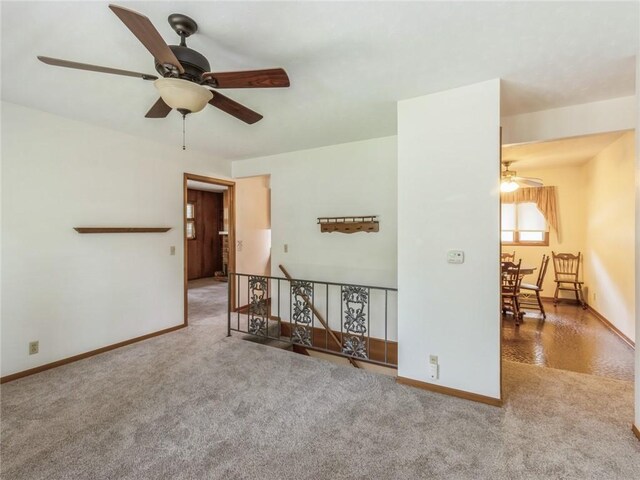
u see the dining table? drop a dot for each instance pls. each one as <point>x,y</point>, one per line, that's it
<point>527,270</point>
<point>524,270</point>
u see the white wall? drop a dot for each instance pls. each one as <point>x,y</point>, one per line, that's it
<point>448,198</point>
<point>585,119</point>
<point>75,293</point>
<point>253,225</point>
<point>356,178</point>
<point>610,233</point>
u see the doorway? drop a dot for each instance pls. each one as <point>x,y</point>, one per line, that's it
<point>592,222</point>
<point>206,231</point>
<point>209,247</point>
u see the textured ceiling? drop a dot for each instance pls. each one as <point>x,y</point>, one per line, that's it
<point>558,153</point>
<point>349,63</point>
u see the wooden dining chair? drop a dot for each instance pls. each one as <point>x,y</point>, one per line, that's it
<point>567,269</point>
<point>528,290</point>
<point>508,257</point>
<point>510,290</point>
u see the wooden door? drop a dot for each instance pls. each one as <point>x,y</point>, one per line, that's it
<point>205,250</point>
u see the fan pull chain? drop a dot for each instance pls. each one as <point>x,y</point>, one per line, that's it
<point>184,118</point>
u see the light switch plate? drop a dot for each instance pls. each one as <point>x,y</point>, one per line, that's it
<point>433,367</point>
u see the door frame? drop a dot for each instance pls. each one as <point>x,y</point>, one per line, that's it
<point>500,319</point>
<point>231,267</point>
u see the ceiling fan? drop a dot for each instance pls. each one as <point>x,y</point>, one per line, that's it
<point>511,181</point>
<point>186,84</point>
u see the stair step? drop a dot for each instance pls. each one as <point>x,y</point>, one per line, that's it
<point>370,367</point>
<point>271,342</point>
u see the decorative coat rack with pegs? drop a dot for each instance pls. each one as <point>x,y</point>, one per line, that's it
<point>360,223</point>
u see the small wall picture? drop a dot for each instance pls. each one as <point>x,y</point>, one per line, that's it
<point>191,230</point>
<point>191,211</point>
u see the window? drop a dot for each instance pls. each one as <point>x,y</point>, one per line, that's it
<point>523,224</point>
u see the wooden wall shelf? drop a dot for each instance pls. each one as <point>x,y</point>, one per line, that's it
<point>121,229</point>
<point>366,223</point>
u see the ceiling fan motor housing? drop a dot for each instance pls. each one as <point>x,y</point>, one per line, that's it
<point>194,63</point>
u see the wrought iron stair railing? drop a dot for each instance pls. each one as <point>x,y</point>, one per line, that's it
<point>357,322</point>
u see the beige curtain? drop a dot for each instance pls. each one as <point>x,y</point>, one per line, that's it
<point>544,197</point>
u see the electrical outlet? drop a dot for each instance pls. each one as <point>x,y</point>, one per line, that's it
<point>286,248</point>
<point>239,245</point>
<point>34,347</point>
<point>172,250</point>
<point>594,296</point>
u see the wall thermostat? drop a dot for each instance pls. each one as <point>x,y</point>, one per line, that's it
<point>455,256</point>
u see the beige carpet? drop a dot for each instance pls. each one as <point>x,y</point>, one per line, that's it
<point>207,300</point>
<point>196,405</point>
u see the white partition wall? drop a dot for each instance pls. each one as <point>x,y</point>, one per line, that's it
<point>448,199</point>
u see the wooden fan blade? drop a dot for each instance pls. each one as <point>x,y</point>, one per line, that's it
<point>532,182</point>
<point>144,31</point>
<point>234,108</point>
<point>94,68</point>
<point>271,78</point>
<point>159,110</point>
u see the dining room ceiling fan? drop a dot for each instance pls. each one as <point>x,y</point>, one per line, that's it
<point>186,83</point>
<point>510,181</point>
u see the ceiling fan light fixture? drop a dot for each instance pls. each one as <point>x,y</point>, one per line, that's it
<point>183,94</point>
<point>508,185</point>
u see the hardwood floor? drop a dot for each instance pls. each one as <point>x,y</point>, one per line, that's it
<point>570,339</point>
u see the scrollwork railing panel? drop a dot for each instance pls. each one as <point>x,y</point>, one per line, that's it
<point>301,313</point>
<point>355,300</point>
<point>258,307</point>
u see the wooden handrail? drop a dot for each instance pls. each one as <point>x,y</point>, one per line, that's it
<point>319,317</point>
